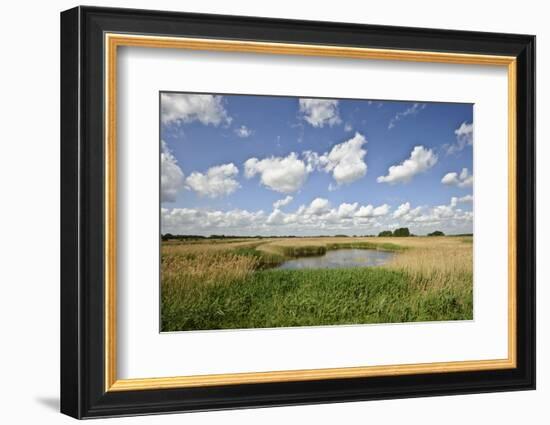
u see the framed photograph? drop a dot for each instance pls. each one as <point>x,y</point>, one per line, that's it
<point>261,212</point>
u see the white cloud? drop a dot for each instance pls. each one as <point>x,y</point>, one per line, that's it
<point>424,219</point>
<point>402,210</point>
<point>464,199</point>
<point>371,211</point>
<point>320,112</point>
<point>445,215</point>
<point>464,179</point>
<point>276,217</point>
<point>196,221</point>
<point>243,131</point>
<point>466,132</point>
<point>319,217</point>
<point>411,110</point>
<point>346,210</point>
<point>186,108</point>
<point>282,202</point>
<point>450,179</point>
<point>313,161</point>
<point>284,175</point>
<point>318,206</point>
<point>421,160</point>
<point>345,160</point>
<point>171,177</point>
<point>381,210</point>
<point>217,181</point>
<point>464,137</point>
<point>406,213</point>
<point>348,127</point>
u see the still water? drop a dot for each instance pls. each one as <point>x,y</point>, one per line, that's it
<point>340,258</point>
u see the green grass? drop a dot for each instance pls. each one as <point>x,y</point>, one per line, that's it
<point>208,286</point>
<point>302,251</point>
<point>265,259</point>
<point>380,246</point>
<point>282,298</point>
<point>296,251</point>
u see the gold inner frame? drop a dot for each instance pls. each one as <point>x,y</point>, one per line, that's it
<point>113,41</point>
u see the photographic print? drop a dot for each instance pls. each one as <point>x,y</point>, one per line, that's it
<point>300,211</point>
<point>301,195</point>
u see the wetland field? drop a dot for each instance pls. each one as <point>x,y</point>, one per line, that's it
<point>234,283</point>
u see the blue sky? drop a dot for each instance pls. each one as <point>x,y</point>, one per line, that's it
<point>335,165</point>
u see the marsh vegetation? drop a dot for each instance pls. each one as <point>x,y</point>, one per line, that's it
<point>235,283</point>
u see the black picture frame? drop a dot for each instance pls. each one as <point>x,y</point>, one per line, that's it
<point>83,392</point>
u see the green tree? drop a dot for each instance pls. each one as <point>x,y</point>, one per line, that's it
<point>401,232</point>
<point>385,233</point>
<point>436,233</point>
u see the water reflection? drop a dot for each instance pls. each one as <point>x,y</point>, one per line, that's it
<point>340,258</point>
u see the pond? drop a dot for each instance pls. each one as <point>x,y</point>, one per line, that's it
<point>340,258</point>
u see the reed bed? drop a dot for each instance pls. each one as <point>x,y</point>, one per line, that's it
<point>232,285</point>
<point>206,268</point>
<point>308,247</point>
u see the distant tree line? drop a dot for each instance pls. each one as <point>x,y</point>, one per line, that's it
<point>170,236</point>
<point>401,232</point>
<point>404,232</point>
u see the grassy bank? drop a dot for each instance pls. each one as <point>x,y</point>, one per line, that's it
<point>228,286</point>
<point>273,298</point>
<point>309,250</point>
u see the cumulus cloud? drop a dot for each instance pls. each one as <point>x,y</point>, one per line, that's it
<point>282,202</point>
<point>217,181</point>
<point>381,210</point>
<point>186,108</point>
<point>411,110</point>
<point>171,176</point>
<point>464,199</point>
<point>464,179</point>
<point>464,137</point>
<point>346,161</point>
<point>465,132</point>
<point>320,112</point>
<point>243,131</point>
<point>448,218</point>
<point>281,174</point>
<point>319,214</point>
<point>194,221</point>
<point>421,160</point>
<point>346,210</point>
<point>318,206</point>
<point>276,217</point>
<point>445,215</point>
<point>319,217</point>
<point>371,211</point>
<point>402,210</point>
<point>405,213</point>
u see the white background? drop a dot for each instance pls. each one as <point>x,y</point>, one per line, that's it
<point>29,228</point>
<point>143,72</point>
